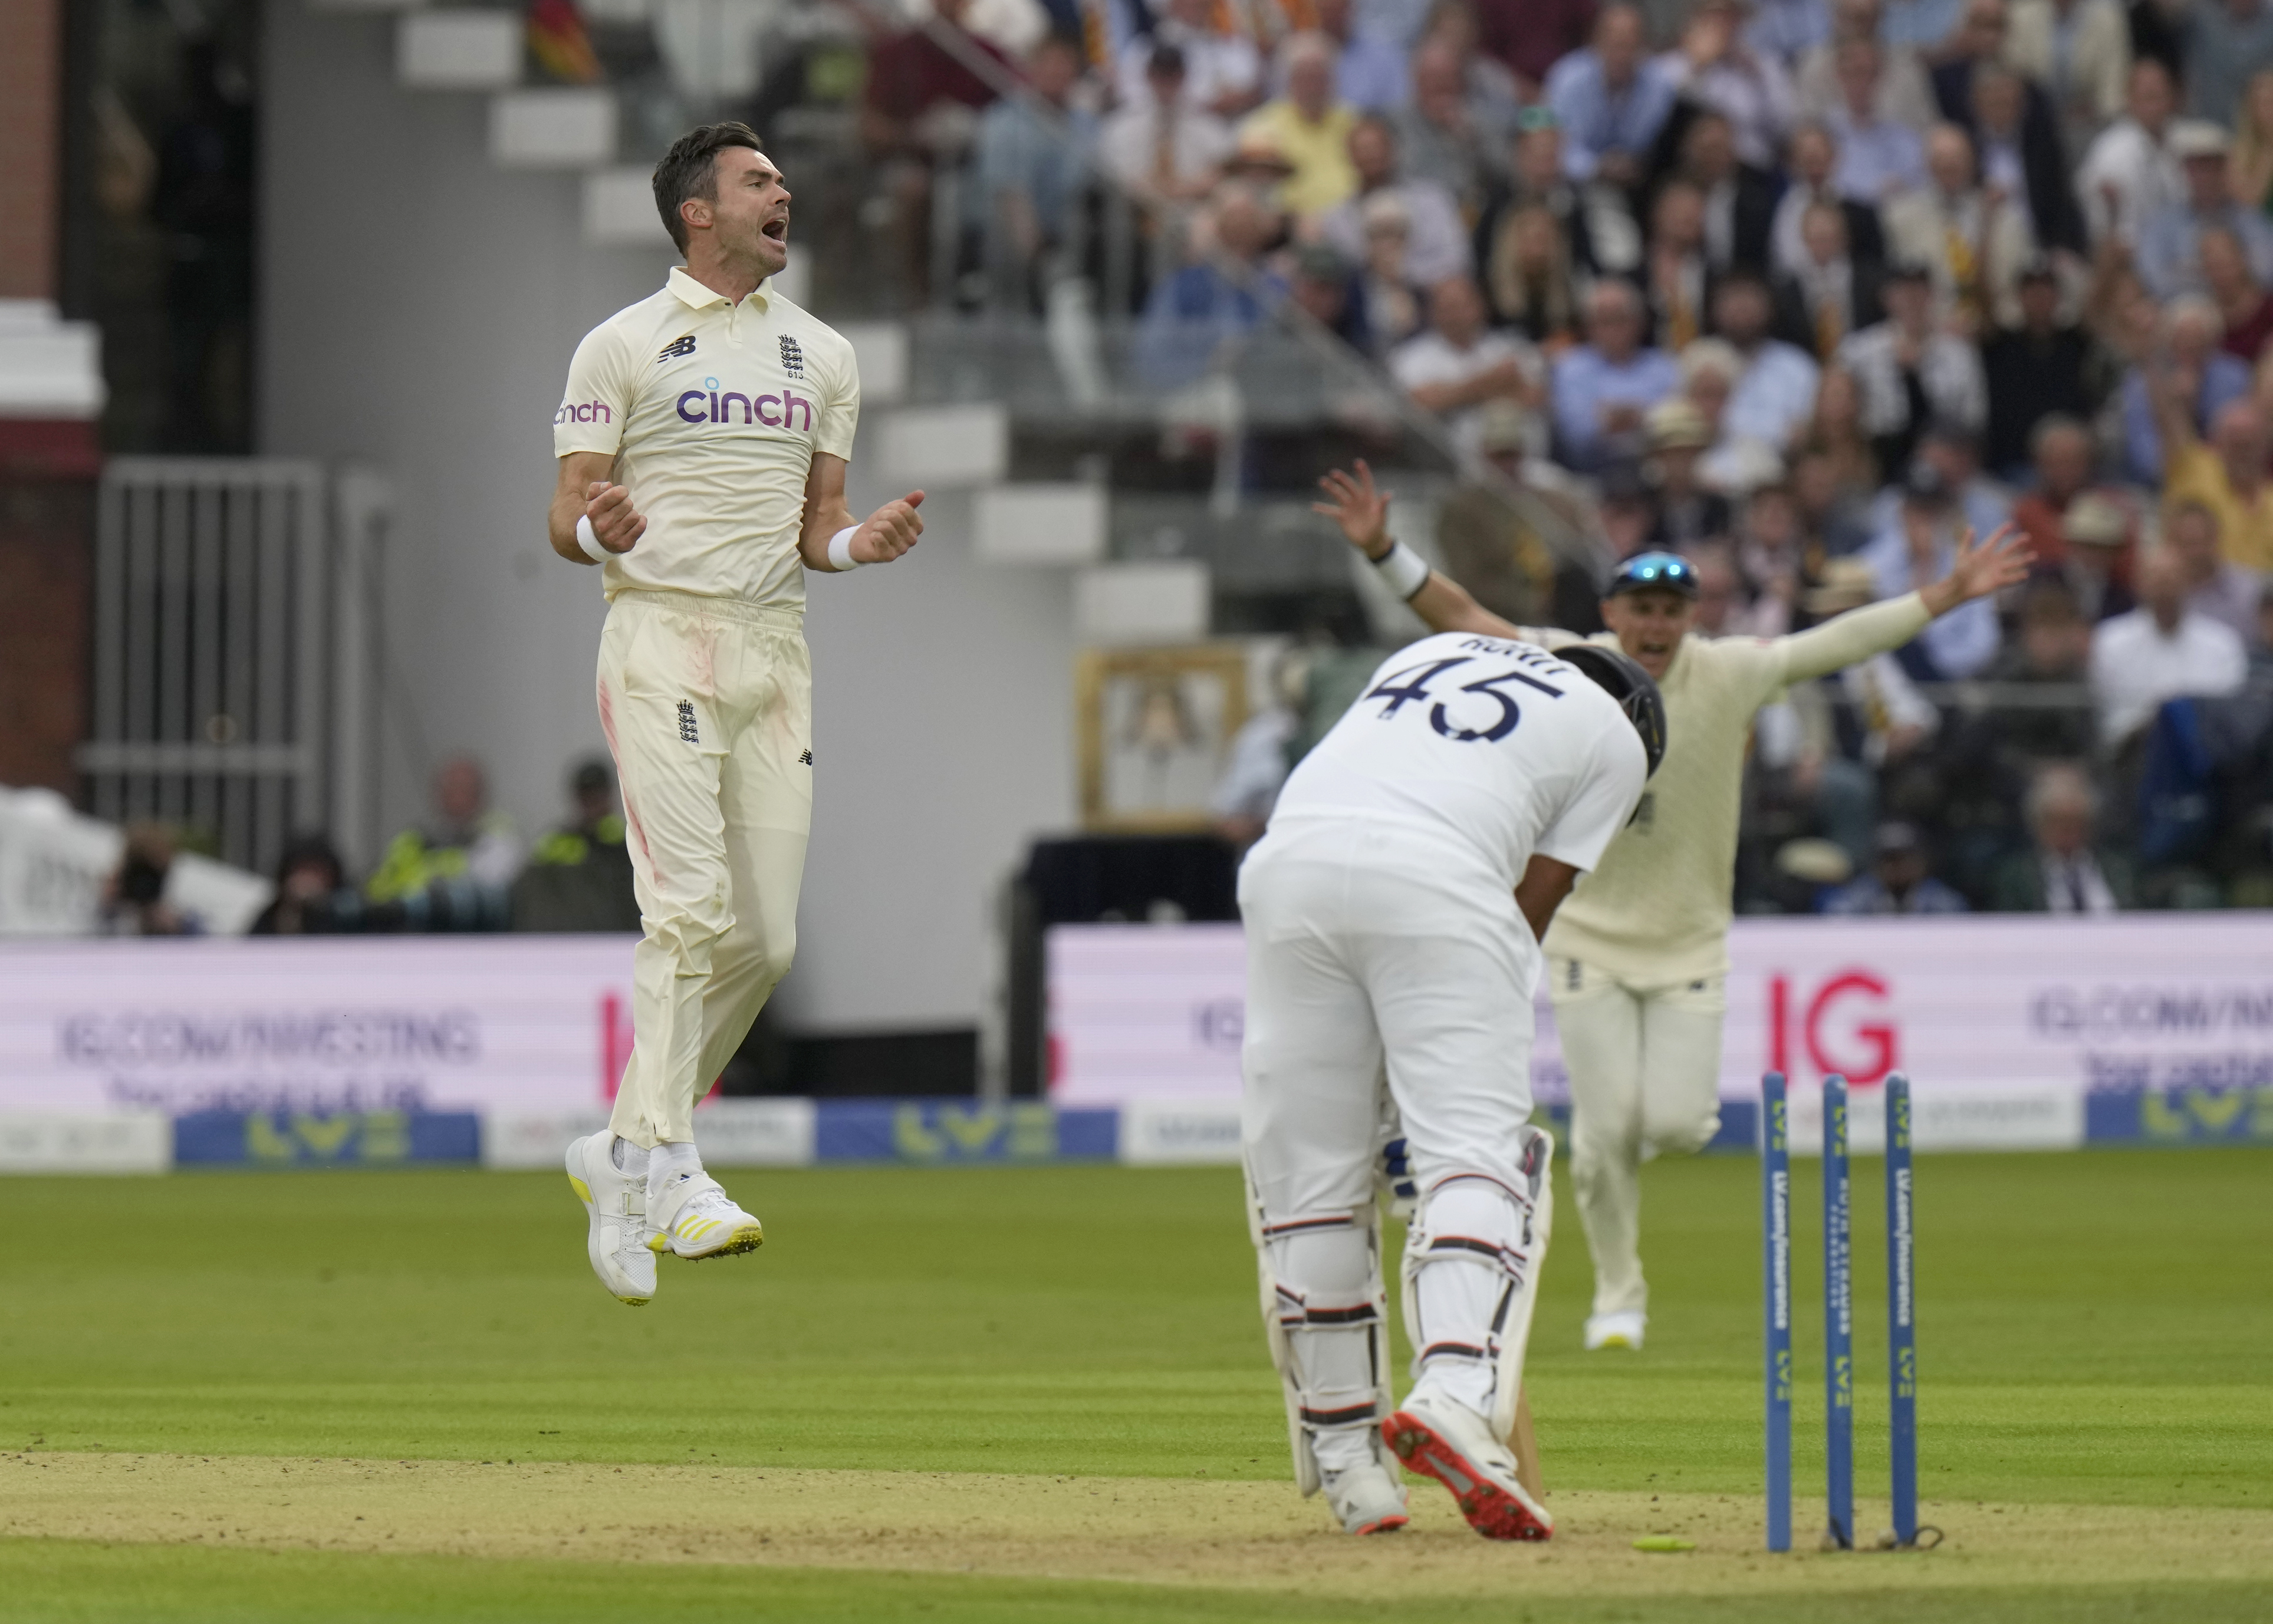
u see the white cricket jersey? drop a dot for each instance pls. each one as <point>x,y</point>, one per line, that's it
<point>1487,752</point>
<point>713,411</point>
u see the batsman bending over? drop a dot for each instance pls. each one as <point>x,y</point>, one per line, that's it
<point>1393,915</point>
<point>1637,962</point>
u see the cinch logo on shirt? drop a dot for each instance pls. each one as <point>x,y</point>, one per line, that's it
<point>590,411</point>
<point>787,406</point>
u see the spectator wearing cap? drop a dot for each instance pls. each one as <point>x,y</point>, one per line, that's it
<point>1369,68</point>
<point>1611,101</point>
<point>1920,546</point>
<point>1688,514</point>
<point>2040,369</point>
<point>1602,389</point>
<point>2163,649</point>
<point>2222,42</point>
<point>1435,238</point>
<point>1159,145</point>
<point>2080,52</point>
<point>2061,452</point>
<point>2169,254</point>
<point>1223,74</point>
<point>2129,174</point>
<point>1775,394</point>
<point>1909,370</point>
<point>1812,160</point>
<point>2097,571</point>
<point>2062,872</point>
<point>1310,126</point>
<point>1459,364</point>
<point>2190,371</point>
<point>2226,475</point>
<point>2216,587</point>
<point>1448,133</point>
<point>1713,68</point>
<point>1974,241</point>
<point>1899,881</point>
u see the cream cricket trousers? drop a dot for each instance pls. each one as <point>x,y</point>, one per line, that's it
<point>708,705</point>
<point>1645,1064</point>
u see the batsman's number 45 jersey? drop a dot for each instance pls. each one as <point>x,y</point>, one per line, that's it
<point>713,411</point>
<point>1487,752</point>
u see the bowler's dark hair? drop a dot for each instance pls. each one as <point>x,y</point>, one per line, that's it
<point>690,169</point>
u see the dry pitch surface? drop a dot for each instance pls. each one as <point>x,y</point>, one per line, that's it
<point>1223,1536</point>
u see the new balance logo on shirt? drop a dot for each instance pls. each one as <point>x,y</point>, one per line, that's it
<point>793,357</point>
<point>686,733</point>
<point>806,759</point>
<point>683,345</point>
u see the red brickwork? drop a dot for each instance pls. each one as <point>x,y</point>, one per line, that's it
<point>31,63</point>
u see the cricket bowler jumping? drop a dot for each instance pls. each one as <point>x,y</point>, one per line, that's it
<point>702,443</point>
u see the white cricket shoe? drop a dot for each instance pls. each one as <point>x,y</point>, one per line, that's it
<point>1367,1499</point>
<point>1451,1443</point>
<point>696,1219</point>
<point>1622,1329</point>
<point>615,1203</point>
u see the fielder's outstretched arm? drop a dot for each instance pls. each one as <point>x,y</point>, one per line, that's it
<point>1361,510</point>
<point>1842,640</point>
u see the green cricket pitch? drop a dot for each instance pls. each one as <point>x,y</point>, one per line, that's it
<point>1041,1394</point>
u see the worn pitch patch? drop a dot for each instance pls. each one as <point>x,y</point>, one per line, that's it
<point>1241,1535</point>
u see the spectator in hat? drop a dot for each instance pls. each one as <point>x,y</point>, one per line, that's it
<point>1688,514</point>
<point>1309,126</point>
<point>1458,364</point>
<point>1611,101</point>
<point>1714,69</point>
<point>2062,872</point>
<point>1973,239</point>
<point>1602,389</point>
<point>2226,475</point>
<point>1920,546</point>
<point>1909,369</point>
<point>2161,650</point>
<point>1435,238</point>
<point>2189,367</point>
<point>2129,175</point>
<point>1161,146</point>
<point>2043,368</point>
<point>2216,587</point>
<point>578,877</point>
<point>2169,251</point>
<point>1899,881</point>
<point>2098,569</point>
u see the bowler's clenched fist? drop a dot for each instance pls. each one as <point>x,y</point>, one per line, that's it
<point>889,531</point>
<point>609,507</point>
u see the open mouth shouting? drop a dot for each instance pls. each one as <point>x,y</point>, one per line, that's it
<point>777,229</point>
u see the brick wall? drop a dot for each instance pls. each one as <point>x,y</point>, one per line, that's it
<point>31,56</point>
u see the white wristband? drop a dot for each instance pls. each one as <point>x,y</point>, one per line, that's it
<point>840,549</point>
<point>589,539</point>
<point>1402,570</point>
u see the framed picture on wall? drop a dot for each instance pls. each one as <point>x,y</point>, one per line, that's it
<point>1157,726</point>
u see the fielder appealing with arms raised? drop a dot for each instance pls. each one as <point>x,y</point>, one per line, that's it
<point>702,449</point>
<point>1637,960</point>
<point>1392,915</point>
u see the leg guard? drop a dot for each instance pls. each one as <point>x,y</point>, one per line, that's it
<point>1324,1315</point>
<point>1472,1263</point>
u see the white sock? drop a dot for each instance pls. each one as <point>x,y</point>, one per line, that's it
<point>627,1156</point>
<point>671,1161</point>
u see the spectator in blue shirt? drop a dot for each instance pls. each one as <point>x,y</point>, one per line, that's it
<point>2189,351</point>
<point>1035,155</point>
<point>1611,101</point>
<point>1919,547</point>
<point>1194,314</point>
<point>1369,69</point>
<point>2170,241</point>
<point>1900,880</point>
<point>1603,389</point>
